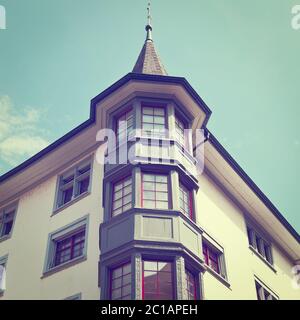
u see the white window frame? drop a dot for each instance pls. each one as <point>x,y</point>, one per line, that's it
<point>74,183</point>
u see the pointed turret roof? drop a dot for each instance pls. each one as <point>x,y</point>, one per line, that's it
<point>148,61</point>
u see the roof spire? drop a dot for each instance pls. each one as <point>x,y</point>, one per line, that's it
<point>149,24</point>
<point>148,61</point>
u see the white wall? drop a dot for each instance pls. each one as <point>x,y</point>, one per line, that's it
<point>224,221</point>
<point>27,246</point>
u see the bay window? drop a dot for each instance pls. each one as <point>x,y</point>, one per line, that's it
<point>155,191</point>
<point>120,282</point>
<point>122,196</point>
<point>185,201</point>
<point>153,121</point>
<point>179,132</point>
<point>191,288</point>
<point>158,281</point>
<point>124,126</point>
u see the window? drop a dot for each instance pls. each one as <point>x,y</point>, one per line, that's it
<point>153,121</point>
<point>185,201</point>
<point>67,244</point>
<point>69,248</point>
<point>122,196</point>
<point>73,183</point>
<point>3,262</point>
<point>74,297</point>
<point>7,216</point>
<point>124,126</point>
<point>155,191</point>
<point>120,282</point>
<point>179,132</point>
<point>262,293</point>
<point>262,247</point>
<point>157,280</point>
<point>214,259</point>
<point>191,289</point>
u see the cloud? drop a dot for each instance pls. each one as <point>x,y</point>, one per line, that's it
<point>20,134</point>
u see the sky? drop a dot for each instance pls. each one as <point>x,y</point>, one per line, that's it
<point>241,56</point>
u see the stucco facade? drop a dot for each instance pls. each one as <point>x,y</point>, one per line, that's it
<point>69,237</point>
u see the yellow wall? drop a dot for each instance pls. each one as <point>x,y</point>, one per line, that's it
<point>220,217</point>
<point>224,221</point>
<point>27,246</point>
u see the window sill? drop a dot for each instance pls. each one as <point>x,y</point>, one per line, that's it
<point>6,237</point>
<point>263,259</point>
<point>78,198</point>
<point>63,266</point>
<point>218,276</point>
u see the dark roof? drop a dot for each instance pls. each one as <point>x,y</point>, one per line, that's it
<point>236,167</point>
<point>130,76</point>
<point>148,61</point>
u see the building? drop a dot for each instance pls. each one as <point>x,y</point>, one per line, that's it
<point>151,228</point>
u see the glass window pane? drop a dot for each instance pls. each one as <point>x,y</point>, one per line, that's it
<point>150,281</point>
<point>148,119</point>
<point>117,195</point>
<point>127,279</point>
<point>117,204</point>
<point>121,279</point>
<point>127,207</point>
<point>158,283</point>
<point>148,177</point>
<point>67,195</point>
<point>117,211</point>
<point>162,205</point>
<point>161,179</point>
<point>159,111</point>
<point>149,186</point>
<point>117,283</point>
<point>84,185</point>
<point>116,273</point>
<point>150,265</point>
<point>162,187</point>
<point>147,110</point>
<point>159,120</point>
<point>161,196</point>
<point>149,195</point>
<point>127,199</point>
<point>164,266</point>
<point>126,290</point>
<point>116,294</point>
<point>126,269</point>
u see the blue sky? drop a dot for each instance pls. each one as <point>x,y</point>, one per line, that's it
<point>242,57</point>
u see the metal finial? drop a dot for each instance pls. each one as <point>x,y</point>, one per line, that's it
<point>149,23</point>
<point>149,14</point>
